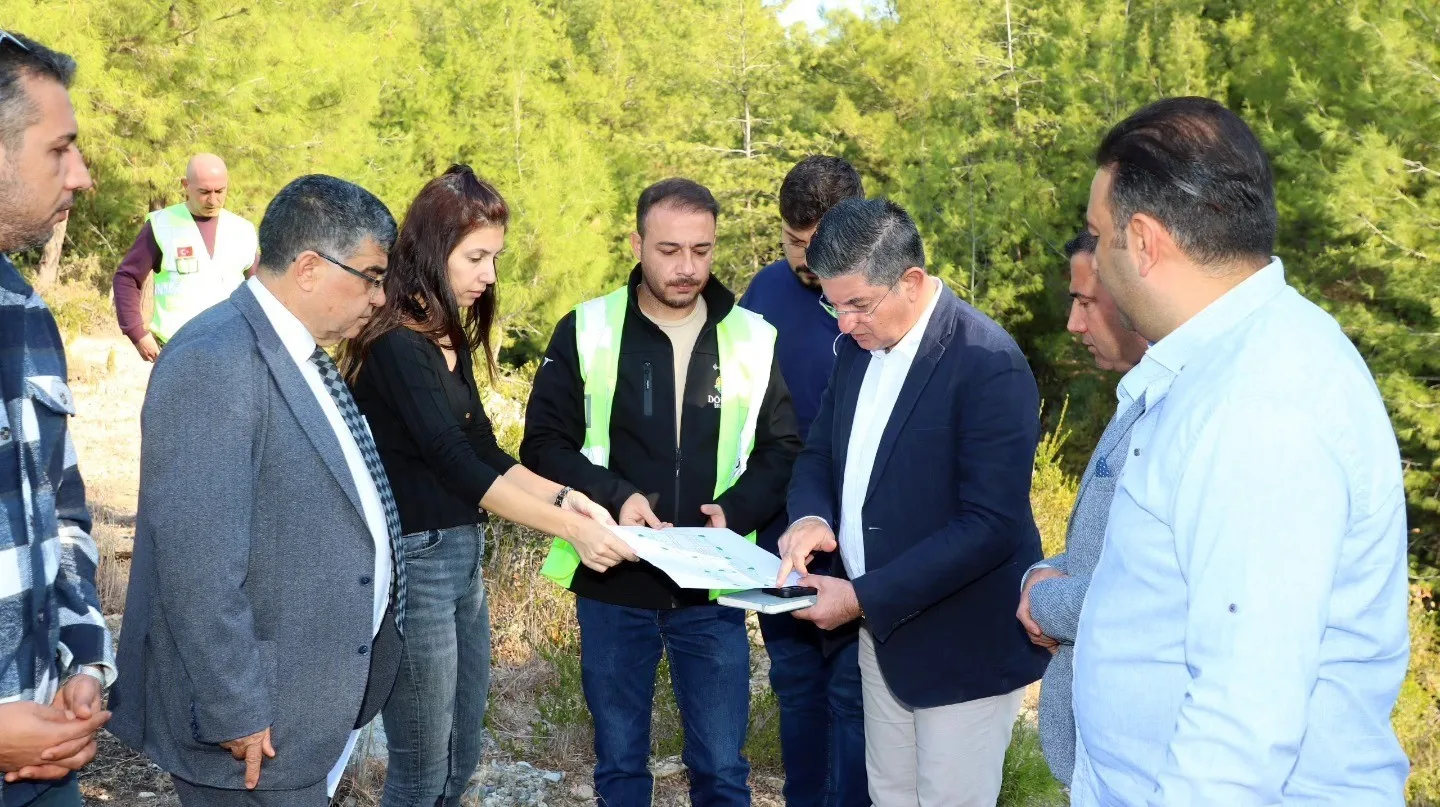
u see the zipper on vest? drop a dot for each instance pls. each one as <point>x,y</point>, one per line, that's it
<point>677,483</point>
<point>649,391</point>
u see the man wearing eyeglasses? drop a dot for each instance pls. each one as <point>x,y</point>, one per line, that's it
<point>266,603</point>
<point>198,251</point>
<point>918,471</point>
<point>815,674</point>
<point>55,654</point>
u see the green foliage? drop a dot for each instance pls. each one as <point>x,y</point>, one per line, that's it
<point>1028,781</point>
<point>1052,489</point>
<point>1417,713</point>
<point>980,115</point>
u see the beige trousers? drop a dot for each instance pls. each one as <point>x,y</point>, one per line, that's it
<point>947,756</point>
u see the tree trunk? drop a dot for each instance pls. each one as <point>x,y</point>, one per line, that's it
<point>49,271</point>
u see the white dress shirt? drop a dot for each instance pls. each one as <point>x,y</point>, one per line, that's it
<point>1245,633</point>
<point>884,377</point>
<point>300,344</point>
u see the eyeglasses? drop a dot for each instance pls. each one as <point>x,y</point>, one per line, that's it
<point>376,283</point>
<point>6,36</point>
<point>867,315</point>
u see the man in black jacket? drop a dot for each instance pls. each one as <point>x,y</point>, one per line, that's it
<point>663,401</point>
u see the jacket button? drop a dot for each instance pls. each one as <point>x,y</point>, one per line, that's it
<point>5,433</point>
<point>364,649</point>
<point>364,579</point>
<point>467,415</point>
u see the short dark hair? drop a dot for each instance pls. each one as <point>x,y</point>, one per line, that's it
<point>1084,241</point>
<point>21,56</point>
<point>875,237</point>
<point>1200,171</point>
<point>815,185</point>
<point>685,194</point>
<point>324,214</point>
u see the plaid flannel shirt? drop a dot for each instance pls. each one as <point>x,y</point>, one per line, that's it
<point>50,621</point>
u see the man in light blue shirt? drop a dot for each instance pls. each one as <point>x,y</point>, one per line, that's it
<point>1244,637</point>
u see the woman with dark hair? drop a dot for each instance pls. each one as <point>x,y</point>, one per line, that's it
<point>412,371</point>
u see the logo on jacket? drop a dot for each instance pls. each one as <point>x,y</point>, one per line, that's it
<point>716,395</point>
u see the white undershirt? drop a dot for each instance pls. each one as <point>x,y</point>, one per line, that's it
<point>300,344</point>
<point>884,377</point>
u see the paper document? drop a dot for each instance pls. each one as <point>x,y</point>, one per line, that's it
<point>705,557</point>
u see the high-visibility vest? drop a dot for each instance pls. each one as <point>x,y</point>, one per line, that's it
<point>747,350</point>
<point>190,280</point>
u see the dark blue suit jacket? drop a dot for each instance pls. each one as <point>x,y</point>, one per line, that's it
<point>947,520</point>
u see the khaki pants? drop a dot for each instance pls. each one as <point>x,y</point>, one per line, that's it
<point>947,756</point>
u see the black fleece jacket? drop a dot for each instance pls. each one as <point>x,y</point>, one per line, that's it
<point>644,457</point>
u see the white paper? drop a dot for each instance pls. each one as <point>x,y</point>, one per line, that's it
<point>705,557</point>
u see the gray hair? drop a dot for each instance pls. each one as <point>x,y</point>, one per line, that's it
<point>323,214</point>
<point>874,237</point>
<point>21,56</point>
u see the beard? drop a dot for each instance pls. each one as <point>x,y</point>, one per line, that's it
<point>807,278</point>
<point>19,230</point>
<point>672,295</point>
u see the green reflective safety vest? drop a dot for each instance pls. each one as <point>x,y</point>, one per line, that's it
<point>747,350</point>
<point>190,280</point>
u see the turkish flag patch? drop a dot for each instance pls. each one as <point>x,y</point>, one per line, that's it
<point>184,252</point>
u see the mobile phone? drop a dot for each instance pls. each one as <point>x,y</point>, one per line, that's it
<point>790,591</point>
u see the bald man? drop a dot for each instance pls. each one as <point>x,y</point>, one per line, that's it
<point>198,250</point>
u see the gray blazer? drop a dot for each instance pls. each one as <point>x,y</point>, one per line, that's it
<point>250,600</point>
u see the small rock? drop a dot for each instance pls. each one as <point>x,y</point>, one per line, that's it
<point>554,776</point>
<point>145,794</point>
<point>667,767</point>
<point>582,791</point>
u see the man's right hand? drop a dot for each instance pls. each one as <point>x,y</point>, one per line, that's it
<point>250,750</point>
<point>636,512</point>
<point>29,730</point>
<point>1032,628</point>
<point>599,548</point>
<point>800,543</point>
<point>148,348</point>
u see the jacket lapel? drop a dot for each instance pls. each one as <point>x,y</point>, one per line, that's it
<point>297,393</point>
<point>844,421</point>
<point>932,347</point>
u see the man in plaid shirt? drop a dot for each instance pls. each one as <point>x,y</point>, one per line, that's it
<point>55,654</point>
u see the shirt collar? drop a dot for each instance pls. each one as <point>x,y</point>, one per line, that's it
<point>909,344</point>
<point>296,338</point>
<point>1176,350</point>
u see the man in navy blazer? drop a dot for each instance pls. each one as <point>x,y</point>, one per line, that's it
<point>917,469</point>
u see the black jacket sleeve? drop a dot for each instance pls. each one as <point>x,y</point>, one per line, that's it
<point>555,426</point>
<point>759,494</point>
<point>407,380</point>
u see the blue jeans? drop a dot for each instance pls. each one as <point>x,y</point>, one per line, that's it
<point>65,793</point>
<point>435,719</point>
<point>819,697</point>
<point>710,671</point>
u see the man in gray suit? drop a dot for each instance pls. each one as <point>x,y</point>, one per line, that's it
<point>265,592</point>
<point>1054,589</point>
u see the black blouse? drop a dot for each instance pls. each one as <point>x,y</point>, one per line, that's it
<point>434,438</point>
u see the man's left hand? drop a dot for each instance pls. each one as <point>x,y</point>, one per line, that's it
<point>79,697</point>
<point>835,602</point>
<point>716,516</point>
